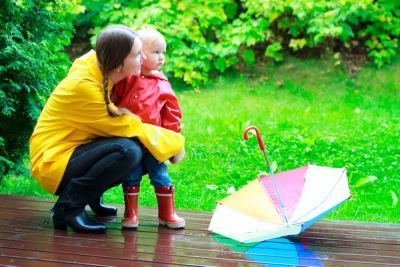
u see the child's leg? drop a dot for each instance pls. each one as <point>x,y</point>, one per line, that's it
<point>134,178</point>
<point>130,187</point>
<point>159,178</point>
<point>158,172</point>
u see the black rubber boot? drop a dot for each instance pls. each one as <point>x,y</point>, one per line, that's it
<point>101,209</point>
<point>79,222</point>
<point>69,209</point>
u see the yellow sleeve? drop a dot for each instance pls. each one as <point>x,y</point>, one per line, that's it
<point>85,109</point>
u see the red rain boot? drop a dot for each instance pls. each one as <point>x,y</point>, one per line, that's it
<point>131,214</point>
<point>166,208</point>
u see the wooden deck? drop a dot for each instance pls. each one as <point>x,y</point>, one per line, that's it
<point>28,239</point>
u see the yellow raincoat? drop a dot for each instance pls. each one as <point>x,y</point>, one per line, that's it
<point>76,114</point>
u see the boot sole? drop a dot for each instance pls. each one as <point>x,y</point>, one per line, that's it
<point>63,226</point>
<point>98,231</point>
<point>172,225</point>
<point>59,226</point>
<point>129,225</point>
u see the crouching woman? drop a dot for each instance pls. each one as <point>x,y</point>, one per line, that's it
<point>83,144</point>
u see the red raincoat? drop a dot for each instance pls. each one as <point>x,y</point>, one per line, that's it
<point>151,98</point>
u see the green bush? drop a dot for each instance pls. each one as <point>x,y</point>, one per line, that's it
<point>207,37</point>
<point>33,34</point>
<point>190,28</point>
<point>368,25</point>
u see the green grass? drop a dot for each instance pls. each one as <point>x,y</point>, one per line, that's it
<point>308,111</point>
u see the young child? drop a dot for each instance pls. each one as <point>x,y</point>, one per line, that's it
<point>151,97</point>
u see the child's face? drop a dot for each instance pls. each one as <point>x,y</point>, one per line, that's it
<point>154,52</point>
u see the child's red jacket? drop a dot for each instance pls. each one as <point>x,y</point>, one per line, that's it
<point>151,98</point>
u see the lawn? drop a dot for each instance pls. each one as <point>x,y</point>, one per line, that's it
<point>308,111</point>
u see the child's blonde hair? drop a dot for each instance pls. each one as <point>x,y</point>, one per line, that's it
<point>149,35</point>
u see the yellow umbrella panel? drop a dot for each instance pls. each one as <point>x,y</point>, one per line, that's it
<point>249,215</point>
<point>252,200</point>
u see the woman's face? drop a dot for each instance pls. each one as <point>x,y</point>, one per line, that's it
<point>133,62</point>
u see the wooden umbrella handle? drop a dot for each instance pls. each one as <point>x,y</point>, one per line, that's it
<point>260,141</point>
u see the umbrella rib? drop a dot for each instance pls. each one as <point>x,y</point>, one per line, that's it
<point>327,196</point>
<point>276,188</point>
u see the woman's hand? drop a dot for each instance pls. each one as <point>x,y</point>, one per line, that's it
<point>178,157</point>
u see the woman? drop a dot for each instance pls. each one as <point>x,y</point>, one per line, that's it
<point>83,144</point>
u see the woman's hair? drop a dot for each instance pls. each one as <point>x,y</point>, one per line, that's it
<point>113,45</point>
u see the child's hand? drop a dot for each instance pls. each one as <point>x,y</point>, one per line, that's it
<point>178,157</point>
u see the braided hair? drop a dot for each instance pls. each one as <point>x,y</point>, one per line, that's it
<point>113,45</point>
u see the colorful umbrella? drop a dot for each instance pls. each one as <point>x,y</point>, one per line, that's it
<point>280,204</point>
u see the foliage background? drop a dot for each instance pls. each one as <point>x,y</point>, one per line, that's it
<point>208,37</point>
<point>33,35</point>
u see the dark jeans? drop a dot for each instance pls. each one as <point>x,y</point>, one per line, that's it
<point>94,168</point>
<point>158,172</point>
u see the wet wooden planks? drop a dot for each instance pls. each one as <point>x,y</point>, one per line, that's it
<point>28,239</point>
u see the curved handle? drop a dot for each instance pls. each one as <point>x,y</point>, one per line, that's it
<point>260,141</point>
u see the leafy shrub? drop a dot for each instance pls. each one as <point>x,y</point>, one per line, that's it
<point>33,34</point>
<point>190,28</point>
<point>349,24</point>
<point>206,37</point>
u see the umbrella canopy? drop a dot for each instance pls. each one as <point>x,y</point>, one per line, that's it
<point>254,213</point>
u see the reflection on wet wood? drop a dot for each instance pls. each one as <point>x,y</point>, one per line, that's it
<point>27,238</point>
